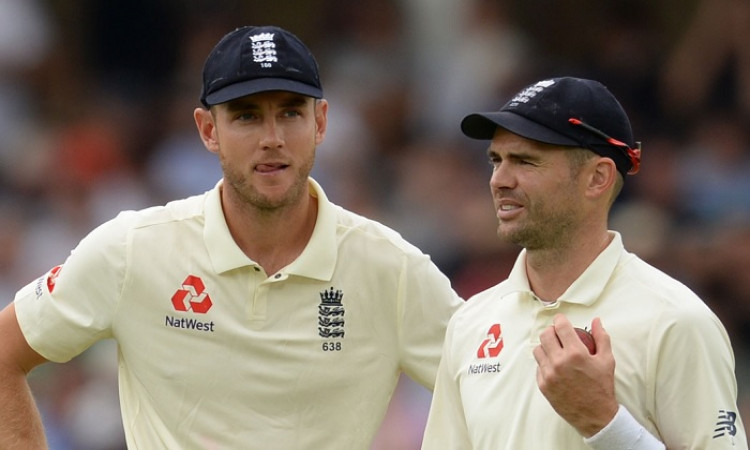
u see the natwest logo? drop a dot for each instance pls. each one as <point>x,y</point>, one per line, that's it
<point>52,278</point>
<point>192,296</point>
<point>491,347</point>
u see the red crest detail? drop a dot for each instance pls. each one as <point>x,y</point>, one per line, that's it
<point>491,347</point>
<point>192,296</point>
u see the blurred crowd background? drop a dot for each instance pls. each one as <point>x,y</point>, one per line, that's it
<point>96,101</point>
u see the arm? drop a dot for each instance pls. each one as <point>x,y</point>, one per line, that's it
<point>425,307</point>
<point>694,374</point>
<point>446,426</point>
<point>20,423</point>
<point>581,388</point>
<point>60,325</point>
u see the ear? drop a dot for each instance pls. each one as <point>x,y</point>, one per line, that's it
<point>601,179</point>
<point>204,120</point>
<point>321,120</point>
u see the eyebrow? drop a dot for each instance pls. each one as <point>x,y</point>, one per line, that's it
<point>293,100</point>
<point>515,155</point>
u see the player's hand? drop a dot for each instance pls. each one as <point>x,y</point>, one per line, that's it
<point>579,386</point>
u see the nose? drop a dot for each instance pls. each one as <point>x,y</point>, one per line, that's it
<point>501,176</point>
<point>272,134</point>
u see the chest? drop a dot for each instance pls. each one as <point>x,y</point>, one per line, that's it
<point>496,370</point>
<point>206,331</point>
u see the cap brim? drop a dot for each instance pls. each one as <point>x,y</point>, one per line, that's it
<point>484,125</point>
<point>258,85</point>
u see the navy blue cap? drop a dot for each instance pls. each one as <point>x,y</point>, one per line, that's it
<point>566,111</point>
<point>258,59</point>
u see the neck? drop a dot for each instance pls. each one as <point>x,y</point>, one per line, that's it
<point>272,238</point>
<point>551,271</point>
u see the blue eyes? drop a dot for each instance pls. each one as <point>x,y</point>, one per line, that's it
<point>290,114</point>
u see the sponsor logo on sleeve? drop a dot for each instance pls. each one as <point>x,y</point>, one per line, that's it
<point>50,279</point>
<point>726,424</point>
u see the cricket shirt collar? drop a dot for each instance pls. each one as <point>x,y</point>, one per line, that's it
<point>317,260</point>
<point>587,288</point>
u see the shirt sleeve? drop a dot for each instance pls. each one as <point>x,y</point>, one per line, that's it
<point>623,433</point>
<point>446,426</point>
<point>695,389</point>
<point>426,303</point>
<point>65,311</point>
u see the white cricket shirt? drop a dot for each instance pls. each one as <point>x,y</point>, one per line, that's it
<point>215,354</point>
<point>674,371</point>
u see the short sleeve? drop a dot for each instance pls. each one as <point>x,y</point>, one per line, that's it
<point>426,303</point>
<point>446,423</point>
<point>695,377</point>
<point>69,308</point>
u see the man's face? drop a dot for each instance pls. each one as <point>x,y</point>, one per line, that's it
<point>266,145</point>
<point>537,200</point>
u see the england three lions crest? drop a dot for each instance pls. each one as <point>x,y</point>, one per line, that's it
<point>331,314</point>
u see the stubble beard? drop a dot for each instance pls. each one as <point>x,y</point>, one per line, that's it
<point>543,228</point>
<point>256,199</point>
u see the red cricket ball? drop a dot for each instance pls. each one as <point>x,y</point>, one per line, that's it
<point>587,339</point>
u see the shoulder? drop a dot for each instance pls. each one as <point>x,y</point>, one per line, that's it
<point>642,278</point>
<point>487,302</point>
<point>355,230</point>
<point>119,228</point>
<point>673,306</point>
<point>368,231</point>
<point>186,209</point>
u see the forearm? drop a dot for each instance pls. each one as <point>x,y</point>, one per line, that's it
<point>20,422</point>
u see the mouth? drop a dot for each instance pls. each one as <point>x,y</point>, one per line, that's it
<point>270,168</point>
<point>507,210</point>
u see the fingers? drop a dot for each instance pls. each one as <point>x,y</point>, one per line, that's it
<point>564,330</point>
<point>554,339</point>
<point>562,335</point>
<point>549,340</point>
<point>601,337</point>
